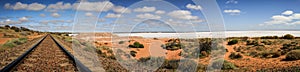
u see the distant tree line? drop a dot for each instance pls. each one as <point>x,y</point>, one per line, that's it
<point>16,29</point>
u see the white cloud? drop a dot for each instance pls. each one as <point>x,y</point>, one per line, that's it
<point>297,22</point>
<point>21,6</point>
<point>182,14</point>
<point>23,19</point>
<point>7,6</point>
<point>8,21</point>
<point>232,2</point>
<point>295,16</point>
<point>288,12</point>
<point>145,9</point>
<point>89,14</point>
<point>148,16</point>
<point>273,22</point>
<point>286,18</point>
<point>36,6</point>
<point>232,11</point>
<point>42,15</point>
<point>83,6</point>
<point>59,6</point>
<point>193,7</point>
<point>160,12</point>
<point>94,6</point>
<point>112,15</point>
<point>120,9</point>
<point>281,18</point>
<point>55,15</point>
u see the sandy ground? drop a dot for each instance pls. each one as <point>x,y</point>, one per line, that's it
<point>4,40</point>
<point>153,48</point>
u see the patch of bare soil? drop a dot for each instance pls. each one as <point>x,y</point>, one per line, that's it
<point>4,40</point>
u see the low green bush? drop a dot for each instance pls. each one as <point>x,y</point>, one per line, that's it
<point>14,42</point>
<point>121,42</point>
<point>270,54</point>
<point>8,45</point>
<point>172,46</point>
<point>232,42</point>
<point>223,64</point>
<point>235,56</point>
<point>266,42</point>
<point>297,47</point>
<point>133,53</point>
<point>144,59</point>
<point>250,42</point>
<point>288,36</point>
<point>136,45</point>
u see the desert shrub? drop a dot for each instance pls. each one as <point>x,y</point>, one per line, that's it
<point>8,45</point>
<point>121,42</point>
<point>269,37</point>
<point>9,35</point>
<point>297,47</point>
<point>184,65</point>
<point>99,51</point>
<point>270,54</point>
<point>205,46</point>
<point>225,66</point>
<point>286,46</point>
<point>260,48</point>
<point>16,29</point>
<point>244,38</point>
<point>2,27</point>
<point>88,49</point>
<point>232,42</point>
<point>68,39</point>
<point>173,46</point>
<point>293,55</point>
<point>14,42</point>
<point>110,51</point>
<point>88,46</point>
<point>22,40</point>
<point>171,64</point>
<point>136,45</point>
<point>7,26</point>
<point>266,42</point>
<point>235,56</point>
<point>24,29</point>
<point>144,59</point>
<point>288,36</point>
<point>187,65</point>
<point>133,53</point>
<point>249,42</point>
<point>253,53</point>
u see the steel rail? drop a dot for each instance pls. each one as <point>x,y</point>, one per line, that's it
<point>80,66</point>
<point>10,66</point>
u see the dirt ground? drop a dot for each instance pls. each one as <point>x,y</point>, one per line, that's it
<point>4,40</point>
<point>152,47</point>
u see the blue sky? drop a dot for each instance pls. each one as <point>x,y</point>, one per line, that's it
<point>151,15</point>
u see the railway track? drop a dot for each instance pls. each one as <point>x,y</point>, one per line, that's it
<point>46,55</point>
